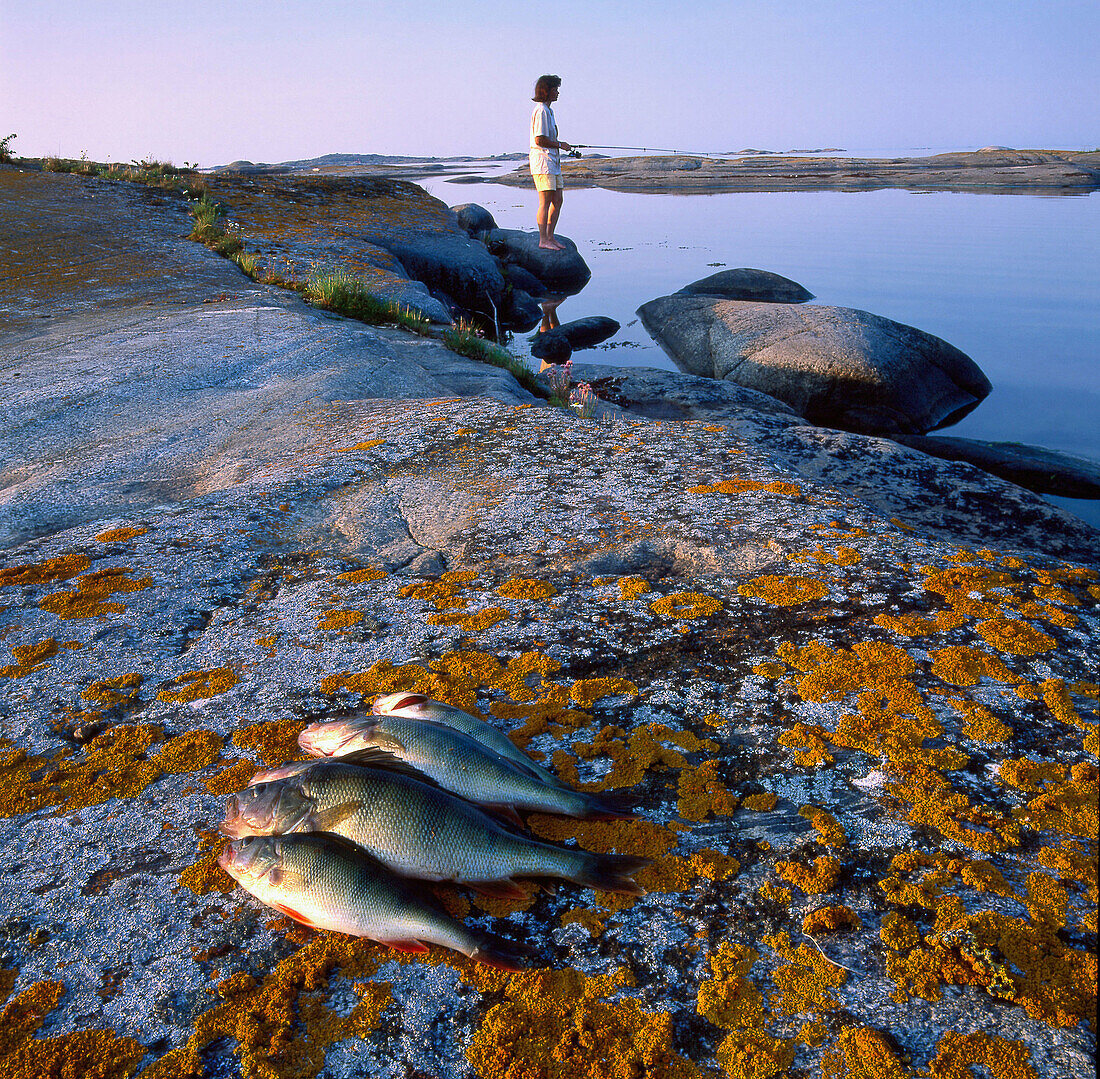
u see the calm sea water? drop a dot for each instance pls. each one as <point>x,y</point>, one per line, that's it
<point>1012,280</point>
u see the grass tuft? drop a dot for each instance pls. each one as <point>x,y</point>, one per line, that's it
<point>464,340</point>
<point>342,292</point>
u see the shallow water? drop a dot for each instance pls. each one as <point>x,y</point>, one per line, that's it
<point>1012,280</point>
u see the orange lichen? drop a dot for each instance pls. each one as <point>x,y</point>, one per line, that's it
<point>898,932</point>
<point>764,802</point>
<point>280,1027</point>
<point>369,445</point>
<point>593,921</point>
<point>807,980</point>
<point>87,1054</point>
<point>830,919</point>
<point>89,598</point>
<point>115,535</point>
<point>110,691</point>
<point>958,1054</point>
<point>232,779</point>
<point>477,622</point>
<point>274,741</point>
<point>525,588</point>
<point>815,880</point>
<point>205,875</point>
<point>632,587</point>
<point>199,685</point>
<point>190,752</point>
<point>358,576</point>
<point>558,1024</point>
<point>587,691</point>
<point>61,568</point>
<point>981,724</point>
<point>959,665</point>
<point>29,658</point>
<point>444,593</point>
<point>686,605</point>
<point>729,999</point>
<point>1015,636</point>
<point>809,741</point>
<point>863,1053</point>
<point>737,487</point>
<point>916,625</point>
<point>339,619</point>
<point>772,893</point>
<point>830,833</point>
<point>701,794</point>
<point>784,591</point>
<point>842,556</point>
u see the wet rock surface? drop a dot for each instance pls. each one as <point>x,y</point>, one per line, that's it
<point>863,737</point>
<point>834,365</point>
<point>563,271</point>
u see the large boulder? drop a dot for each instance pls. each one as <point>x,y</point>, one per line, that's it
<point>475,219</point>
<point>562,271</point>
<point>744,283</point>
<point>836,366</point>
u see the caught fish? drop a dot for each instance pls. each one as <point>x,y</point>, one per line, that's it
<point>325,882</point>
<point>417,829</point>
<point>458,763</point>
<point>419,706</point>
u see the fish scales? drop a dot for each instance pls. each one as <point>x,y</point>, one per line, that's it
<point>455,761</point>
<point>328,883</point>
<point>414,828</point>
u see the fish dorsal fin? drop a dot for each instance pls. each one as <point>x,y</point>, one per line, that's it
<point>327,820</point>
<point>382,760</point>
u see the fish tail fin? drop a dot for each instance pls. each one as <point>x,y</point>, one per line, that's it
<point>612,807</point>
<point>611,873</point>
<point>502,954</point>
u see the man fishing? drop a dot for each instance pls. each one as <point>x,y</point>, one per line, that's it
<point>545,159</point>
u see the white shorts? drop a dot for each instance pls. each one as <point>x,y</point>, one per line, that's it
<point>547,181</point>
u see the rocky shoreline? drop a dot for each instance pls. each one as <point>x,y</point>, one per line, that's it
<point>1048,171</point>
<point>852,686</point>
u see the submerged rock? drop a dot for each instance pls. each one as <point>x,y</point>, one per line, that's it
<point>519,311</point>
<point>1046,471</point>
<point>760,286</point>
<point>836,366</point>
<point>563,271</point>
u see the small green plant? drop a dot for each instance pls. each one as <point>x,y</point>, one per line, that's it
<point>5,146</point>
<point>248,263</point>
<point>342,292</point>
<point>464,339</point>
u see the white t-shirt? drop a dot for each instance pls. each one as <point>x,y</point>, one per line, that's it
<point>544,162</point>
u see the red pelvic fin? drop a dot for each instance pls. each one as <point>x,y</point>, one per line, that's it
<point>412,946</point>
<point>497,889</point>
<point>290,912</point>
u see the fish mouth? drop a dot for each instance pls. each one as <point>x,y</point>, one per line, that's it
<point>328,739</point>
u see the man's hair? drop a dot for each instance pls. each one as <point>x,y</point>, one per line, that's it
<point>544,85</point>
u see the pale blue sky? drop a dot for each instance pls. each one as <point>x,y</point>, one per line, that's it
<point>273,80</point>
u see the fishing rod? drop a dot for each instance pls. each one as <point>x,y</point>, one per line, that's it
<point>648,149</point>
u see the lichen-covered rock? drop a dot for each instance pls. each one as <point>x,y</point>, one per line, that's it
<point>864,749</point>
<point>837,366</point>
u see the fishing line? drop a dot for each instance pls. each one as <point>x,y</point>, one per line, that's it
<point>647,149</point>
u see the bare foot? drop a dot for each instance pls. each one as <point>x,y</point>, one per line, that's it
<point>551,245</point>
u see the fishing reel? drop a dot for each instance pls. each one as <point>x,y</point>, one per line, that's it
<point>573,153</point>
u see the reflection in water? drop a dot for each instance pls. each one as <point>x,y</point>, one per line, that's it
<point>1012,280</point>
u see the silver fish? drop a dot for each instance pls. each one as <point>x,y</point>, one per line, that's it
<point>420,706</point>
<point>417,829</point>
<point>326,882</point>
<point>458,763</point>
